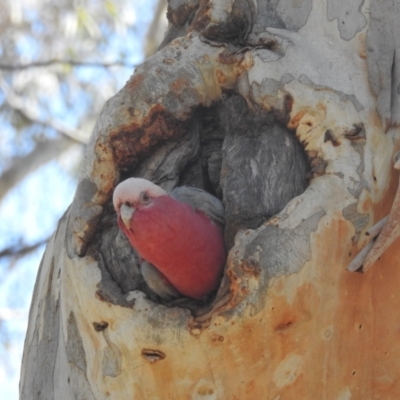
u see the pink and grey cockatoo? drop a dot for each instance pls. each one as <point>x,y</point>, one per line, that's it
<point>179,236</point>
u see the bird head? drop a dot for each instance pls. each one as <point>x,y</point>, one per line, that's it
<point>134,194</point>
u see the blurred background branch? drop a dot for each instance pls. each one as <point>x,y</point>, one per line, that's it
<point>22,249</point>
<point>40,64</point>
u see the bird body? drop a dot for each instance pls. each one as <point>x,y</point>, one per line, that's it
<point>180,241</point>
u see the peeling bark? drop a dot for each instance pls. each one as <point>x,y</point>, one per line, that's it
<point>281,109</point>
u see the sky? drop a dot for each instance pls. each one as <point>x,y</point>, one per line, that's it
<point>31,210</point>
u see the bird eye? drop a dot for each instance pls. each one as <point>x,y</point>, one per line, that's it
<point>145,197</point>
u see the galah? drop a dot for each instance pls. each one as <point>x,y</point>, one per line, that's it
<point>388,230</point>
<point>179,236</point>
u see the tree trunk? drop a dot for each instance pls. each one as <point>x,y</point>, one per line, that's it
<point>288,111</point>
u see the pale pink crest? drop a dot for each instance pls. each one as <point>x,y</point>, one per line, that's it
<point>130,189</point>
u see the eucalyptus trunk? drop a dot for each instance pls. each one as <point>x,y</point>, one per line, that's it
<point>287,110</point>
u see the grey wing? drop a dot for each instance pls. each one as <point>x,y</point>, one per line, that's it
<point>157,282</point>
<point>201,200</point>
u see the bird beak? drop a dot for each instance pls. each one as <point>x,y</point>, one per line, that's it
<point>126,213</point>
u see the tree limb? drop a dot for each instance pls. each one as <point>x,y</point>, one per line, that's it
<point>17,104</point>
<point>20,167</point>
<point>154,36</point>
<point>73,63</point>
<point>21,249</point>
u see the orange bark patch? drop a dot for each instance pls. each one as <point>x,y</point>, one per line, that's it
<point>383,208</point>
<point>132,142</point>
<point>202,18</point>
<point>295,120</point>
<point>179,85</point>
<point>221,78</point>
<point>135,81</point>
